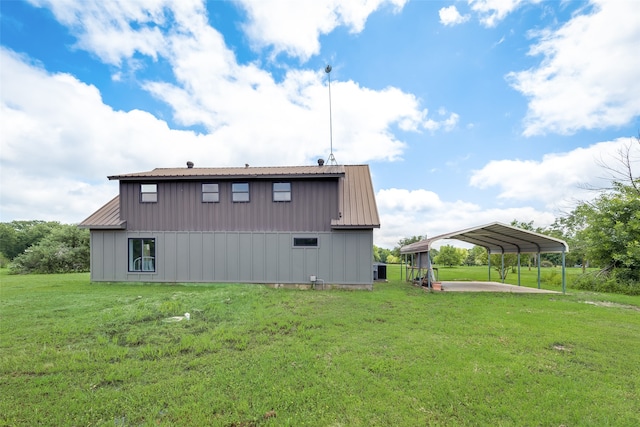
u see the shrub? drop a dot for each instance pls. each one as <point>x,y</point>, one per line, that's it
<point>546,264</point>
<point>552,277</point>
<point>4,261</point>
<point>601,282</point>
<point>64,250</point>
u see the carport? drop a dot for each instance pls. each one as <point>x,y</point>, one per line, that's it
<point>496,238</point>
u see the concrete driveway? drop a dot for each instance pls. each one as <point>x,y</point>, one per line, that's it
<point>491,287</point>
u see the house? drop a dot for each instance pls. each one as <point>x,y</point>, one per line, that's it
<point>300,225</point>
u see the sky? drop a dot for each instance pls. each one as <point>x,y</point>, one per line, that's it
<point>467,112</point>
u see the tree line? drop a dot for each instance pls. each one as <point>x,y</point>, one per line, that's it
<point>43,247</point>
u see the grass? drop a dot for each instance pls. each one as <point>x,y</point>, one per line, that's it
<point>75,353</point>
<point>550,278</point>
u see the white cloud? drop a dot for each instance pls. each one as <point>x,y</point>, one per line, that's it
<point>407,213</point>
<point>289,119</point>
<point>58,149</point>
<point>558,180</point>
<point>450,16</point>
<point>72,135</point>
<point>588,78</point>
<point>293,27</point>
<point>492,11</point>
<point>448,124</point>
<point>116,29</point>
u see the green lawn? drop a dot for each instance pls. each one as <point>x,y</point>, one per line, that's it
<point>550,278</point>
<point>80,354</point>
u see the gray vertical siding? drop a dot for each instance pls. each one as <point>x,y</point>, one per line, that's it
<point>342,257</point>
<point>314,203</point>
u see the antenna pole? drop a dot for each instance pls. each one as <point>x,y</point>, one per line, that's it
<point>332,159</point>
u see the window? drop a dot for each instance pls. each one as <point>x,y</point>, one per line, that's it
<point>148,193</point>
<point>142,255</point>
<point>305,242</point>
<point>240,191</point>
<point>281,191</point>
<point>210,193</point>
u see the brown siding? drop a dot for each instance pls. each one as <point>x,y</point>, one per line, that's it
<point>314,203</point>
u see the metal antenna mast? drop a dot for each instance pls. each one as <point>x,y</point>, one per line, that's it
<point>331,160</point>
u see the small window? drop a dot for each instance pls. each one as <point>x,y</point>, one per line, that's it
<point>240,191</point>
<point>305,242</point>
<point>142,255</point>
<point>281,191</point>
<point>210,193</point>
<point>149,193</point>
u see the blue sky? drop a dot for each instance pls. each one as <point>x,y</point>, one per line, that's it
<point>467,112</point>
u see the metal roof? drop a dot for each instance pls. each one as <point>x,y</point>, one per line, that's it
<point>107,217</point>
<point>234,173</point>
<point>357,201</point>
<point>497,238</point>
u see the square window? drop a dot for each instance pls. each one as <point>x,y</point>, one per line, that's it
<point>281,191</point>
<point>240,191</point>
<point>210,193</point>
<point>148,193</point>
<point>142,255</point>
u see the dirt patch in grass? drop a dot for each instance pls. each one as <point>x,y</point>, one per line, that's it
<point>612,304</point>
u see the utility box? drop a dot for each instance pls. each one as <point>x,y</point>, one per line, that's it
<point>379,271</point>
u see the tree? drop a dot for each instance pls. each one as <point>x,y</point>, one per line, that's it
<point>65,249</point>
<point>612,231</point>
<point>569,228</point>
<point>450,256</point>
<point>404,242</point>
<point>16,236</point>
<point>528,258</point>
<point>478,255</point>
<point>380,254</point>
<point>607,229</point>
<point>392,259</point>
<point>510,261</point>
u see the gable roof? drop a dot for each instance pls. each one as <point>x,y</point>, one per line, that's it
<point>497,238</point>
<point>279,172</point>
<point>357,202</point>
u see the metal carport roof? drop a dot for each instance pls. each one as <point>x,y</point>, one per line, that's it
<point>497,238</point>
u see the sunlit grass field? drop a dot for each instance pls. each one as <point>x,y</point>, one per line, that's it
<point>74,353</point>
<point>550,277</point>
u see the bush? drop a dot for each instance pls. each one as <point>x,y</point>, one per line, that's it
<point>552,277</point>
<point>600,282</point>
<point>546,264</point>
<point>64,250</point>
<point>4,261</point>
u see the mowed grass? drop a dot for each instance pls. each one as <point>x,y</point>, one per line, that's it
<point>74,353</point>
<point>550,277</point>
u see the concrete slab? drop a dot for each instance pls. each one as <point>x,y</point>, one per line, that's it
<point>491,287</point>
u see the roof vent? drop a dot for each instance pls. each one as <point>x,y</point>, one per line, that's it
<point>190,165</point>
<point>246,165</point>
<point>320,162</point>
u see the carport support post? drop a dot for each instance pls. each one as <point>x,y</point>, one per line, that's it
<point>502,271</point>
<point>429,268</point>
<point>538,270</point>
<point>564,278</point>
<point>489,258</point>
<point>518,268</point>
